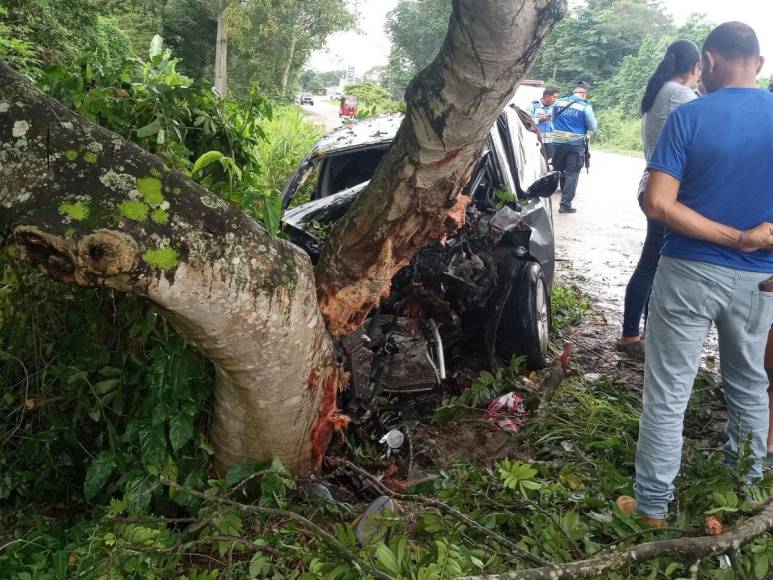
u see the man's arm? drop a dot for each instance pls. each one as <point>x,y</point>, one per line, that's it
<point>590,119</point>
<point>660,203</point>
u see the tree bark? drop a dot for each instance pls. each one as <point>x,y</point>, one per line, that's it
<point>414,195</point>
<point>89,208</point>
<point>221,51</point>
<point>288,66</point>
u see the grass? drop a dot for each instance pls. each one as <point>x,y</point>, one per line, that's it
<point>618,132</point>
<point>568,305</point>
<point>289,138</point>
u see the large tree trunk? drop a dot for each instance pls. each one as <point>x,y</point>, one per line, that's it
<point>221,51</point>
<point>414,194</point>
<point>92,209</point>
<point>89,208</point>
<point>288,66</point>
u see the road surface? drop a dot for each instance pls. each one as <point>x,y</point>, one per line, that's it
<point>323,112</point>
<point>602,241</point>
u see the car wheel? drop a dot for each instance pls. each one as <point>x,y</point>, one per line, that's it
<point>525,324</point>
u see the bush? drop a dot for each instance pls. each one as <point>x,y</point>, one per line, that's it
<point>288,138</point>
<point>374,100</point>
<point>618,132</point>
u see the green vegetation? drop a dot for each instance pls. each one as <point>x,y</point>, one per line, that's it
<point>568,305</point>
<point>618,132</point>
<point>373,100</point>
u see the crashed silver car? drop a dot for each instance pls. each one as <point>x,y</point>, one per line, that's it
<point>484,289</point>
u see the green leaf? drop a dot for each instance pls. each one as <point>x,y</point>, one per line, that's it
<point>106,386</point>
<point>272,214</point>
<point>150,129</point>
<point>99,471</point>
<point>137,493</point>
<point>239,471</point>
<point>156,46</point>
<point>761,566</point>
<point>259,566</point>
<point>387,559</point>
<point>206,159</point>
<point>180,430</point>
<point>153,443</point>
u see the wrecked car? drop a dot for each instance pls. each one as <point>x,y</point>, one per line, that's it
<point>484,289</point>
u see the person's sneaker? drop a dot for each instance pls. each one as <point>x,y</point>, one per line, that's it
<point>563,209</point>
<point>627,505</point>
<point>635,350</point>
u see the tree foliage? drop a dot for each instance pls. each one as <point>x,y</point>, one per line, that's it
<point>416,29</point>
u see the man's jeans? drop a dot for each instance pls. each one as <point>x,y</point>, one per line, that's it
<point>569,158</point>
<point>687,297</point>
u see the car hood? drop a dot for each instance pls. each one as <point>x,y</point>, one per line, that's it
<point>369,132</point>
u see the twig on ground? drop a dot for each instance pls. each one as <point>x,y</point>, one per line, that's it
<point>516,550</point>
<point>325,536</point>
<point>554,378</point>
<point>681,549</point>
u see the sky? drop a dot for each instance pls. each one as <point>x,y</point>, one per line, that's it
<point>369,46</point>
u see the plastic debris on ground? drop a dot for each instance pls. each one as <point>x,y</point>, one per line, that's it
<point>506,412</point>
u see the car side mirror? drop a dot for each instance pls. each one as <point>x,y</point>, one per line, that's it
<point>545,186</point>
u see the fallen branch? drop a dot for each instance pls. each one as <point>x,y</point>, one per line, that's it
<point>323,535</point>
<point>519,552</point>
<point>555,376</point>
<point>681,549</point>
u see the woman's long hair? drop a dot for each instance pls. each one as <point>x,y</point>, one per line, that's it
<point>681,56</point>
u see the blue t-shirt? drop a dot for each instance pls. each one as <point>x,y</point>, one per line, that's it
<point>720,148</point>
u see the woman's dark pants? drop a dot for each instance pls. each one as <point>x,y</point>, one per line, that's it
<point>637,294</point>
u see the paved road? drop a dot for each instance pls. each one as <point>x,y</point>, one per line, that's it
<point>323,112</point>
<point>602,241</point>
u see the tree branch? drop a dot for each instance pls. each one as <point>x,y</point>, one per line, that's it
<point>519,552</point>
<point>323,535</point>
<point>690,549</point>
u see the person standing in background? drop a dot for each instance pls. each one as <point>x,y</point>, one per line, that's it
<point>669,86</point>
<point>541,112</point>
<point>573,119</point>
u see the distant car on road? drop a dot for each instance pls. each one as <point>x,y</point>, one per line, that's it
<point>306,99</point>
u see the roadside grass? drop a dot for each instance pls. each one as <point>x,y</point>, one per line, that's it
<point>568,305</point>
<point>148,508</point>
<point>618,133</point>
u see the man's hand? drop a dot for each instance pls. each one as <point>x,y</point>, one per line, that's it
<point>759,238</point>
<point>546,117</point>
<point>661,204</point>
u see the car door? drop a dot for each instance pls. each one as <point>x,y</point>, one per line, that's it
<point>520,157</point>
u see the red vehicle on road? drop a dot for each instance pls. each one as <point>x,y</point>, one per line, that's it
<point>348,106</point>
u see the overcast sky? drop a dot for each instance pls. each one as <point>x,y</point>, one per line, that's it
<point>369,46</point>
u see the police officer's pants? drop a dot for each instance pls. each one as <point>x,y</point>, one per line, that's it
<point>569,158</point>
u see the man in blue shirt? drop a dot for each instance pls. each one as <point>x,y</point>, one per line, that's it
<point>711,184</point>
<point>573,119</point>
<point>541,112</point>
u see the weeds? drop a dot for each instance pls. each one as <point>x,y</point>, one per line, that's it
<point>568,305</point>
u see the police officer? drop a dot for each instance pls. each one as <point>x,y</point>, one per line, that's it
<point>541,112</point>
<point>573,119</point>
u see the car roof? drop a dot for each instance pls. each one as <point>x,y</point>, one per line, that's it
<point>366,133</point>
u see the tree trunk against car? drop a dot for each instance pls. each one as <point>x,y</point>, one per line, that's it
<point>221,50</point>
<point>289,63</point>
<point>89,208</point>
<point>414,195</point>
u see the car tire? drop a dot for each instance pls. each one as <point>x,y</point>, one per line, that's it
<point>525,324</point>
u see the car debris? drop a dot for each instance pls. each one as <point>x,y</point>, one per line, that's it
<point>369,528</point>
<point>483,290</point>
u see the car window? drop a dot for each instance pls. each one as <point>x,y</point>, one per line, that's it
<point>346,170</point>
<point>500,156</point>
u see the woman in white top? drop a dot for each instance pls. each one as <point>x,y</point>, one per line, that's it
<point>668,87</point>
